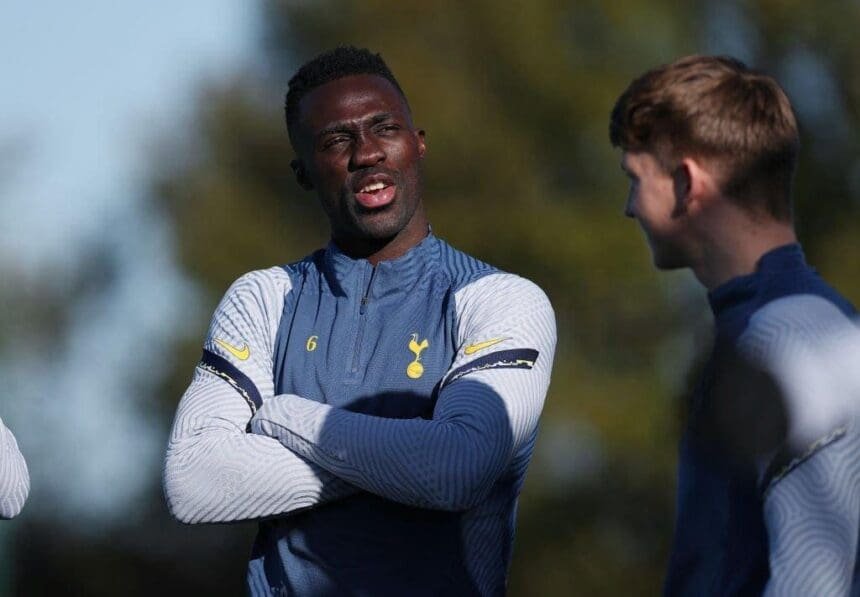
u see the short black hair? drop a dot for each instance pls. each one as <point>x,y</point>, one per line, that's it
<point>340,62</point>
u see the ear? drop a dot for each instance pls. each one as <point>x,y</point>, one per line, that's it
<point>682,185</point>
<point>301,174</point>
<point>702,184</point>
<point>422,146</point>
<point>697,181</point>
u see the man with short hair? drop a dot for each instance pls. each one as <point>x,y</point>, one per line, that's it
<point>374,405</point>
<point>710,148</point>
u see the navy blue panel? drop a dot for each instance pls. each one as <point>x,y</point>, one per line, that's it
<point>345,339</point>
<point>720,544</point>
<point>230,373</point>
<point>515,358</point>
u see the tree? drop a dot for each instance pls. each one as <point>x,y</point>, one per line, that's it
<point>515,100</point>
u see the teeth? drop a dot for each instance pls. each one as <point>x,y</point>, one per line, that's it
<point>375,186</point>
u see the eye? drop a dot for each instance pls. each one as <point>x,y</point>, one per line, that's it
<point>387,129</point>
<point>335,141</point>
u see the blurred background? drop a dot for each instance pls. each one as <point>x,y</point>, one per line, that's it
<point>144,166</point>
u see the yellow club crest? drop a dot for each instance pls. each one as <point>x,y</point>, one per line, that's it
<point>415,368</point>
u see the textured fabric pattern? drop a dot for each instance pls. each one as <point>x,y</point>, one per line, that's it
<point>805,340</point>
<point>451,461</point>
<point>14,477</point>
<point>482,428</point>
<point>406,481</point>
<point>214,471</point>
<point>812,505</point>
<point>736,532</point>
<point>812,520</point>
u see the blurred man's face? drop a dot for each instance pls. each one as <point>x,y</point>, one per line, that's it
<point>362,154</point>
<point>652,202</point>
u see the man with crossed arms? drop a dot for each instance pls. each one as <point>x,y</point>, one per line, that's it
<point>374,405</point>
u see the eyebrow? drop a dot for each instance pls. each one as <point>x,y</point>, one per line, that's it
<point>381,117</point>
<point>348,126</point>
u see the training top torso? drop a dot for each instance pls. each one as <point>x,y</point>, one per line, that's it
<point>724,513</point>
<point>383,341</point>
<point>363,321</point>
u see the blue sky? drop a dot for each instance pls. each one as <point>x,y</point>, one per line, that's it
<point>88,88</point>
<point>85,84</point>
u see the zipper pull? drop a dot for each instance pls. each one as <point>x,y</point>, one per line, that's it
<point>366,298</point>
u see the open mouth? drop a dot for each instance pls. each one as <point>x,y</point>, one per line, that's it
<point>375,192</point>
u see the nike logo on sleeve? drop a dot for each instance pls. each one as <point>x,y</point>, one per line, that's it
<point>240,353</point>
<point>473,348</point>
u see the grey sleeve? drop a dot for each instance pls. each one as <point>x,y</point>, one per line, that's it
<point>214,470</point>
<point>14,476</point>
<point>812,519</point>
<point>811,485</point>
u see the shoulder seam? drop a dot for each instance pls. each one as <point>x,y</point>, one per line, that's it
<point>784,463</point>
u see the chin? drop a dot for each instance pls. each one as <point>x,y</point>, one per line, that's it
<point>380,225</point>
<point>668,258</point>
<point>664,265</point>
<point>387,222</point>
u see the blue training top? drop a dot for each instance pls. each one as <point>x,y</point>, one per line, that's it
<point>732,520</point>
<point>392,413</point>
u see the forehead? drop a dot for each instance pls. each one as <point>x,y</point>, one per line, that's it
<point>639,162</point>
<point>350,98</point>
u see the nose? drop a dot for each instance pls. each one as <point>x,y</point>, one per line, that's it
<point>367,152</point>
<point>628,207</point>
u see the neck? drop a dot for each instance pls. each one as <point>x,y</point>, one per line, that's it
<point>376,250</point>
<point>736,248</point>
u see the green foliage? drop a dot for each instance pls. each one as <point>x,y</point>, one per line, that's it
<point>515,100</point>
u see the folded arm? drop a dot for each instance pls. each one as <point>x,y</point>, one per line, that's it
<point>217,472</point>
<point>214,470</point>
<point>486,412</point>
<point>14,476</point>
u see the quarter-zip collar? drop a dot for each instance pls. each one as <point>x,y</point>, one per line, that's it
<point>736,291</point>
<point>733,302</point>
<point>391,276</point>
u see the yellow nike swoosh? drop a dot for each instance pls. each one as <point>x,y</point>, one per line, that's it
<point>240,353</point>
<point>473,348</point>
